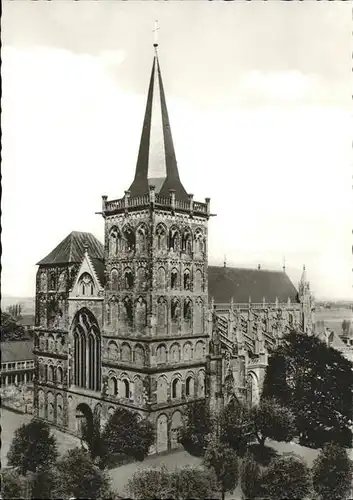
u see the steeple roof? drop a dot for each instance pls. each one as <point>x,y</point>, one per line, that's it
<point>156,162</point>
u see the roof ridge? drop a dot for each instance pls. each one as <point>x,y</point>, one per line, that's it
<point>94,272</point>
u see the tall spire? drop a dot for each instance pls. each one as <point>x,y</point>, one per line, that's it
<point>156,161</point>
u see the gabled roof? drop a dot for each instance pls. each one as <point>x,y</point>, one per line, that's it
<point>72,249</point>
<point>225,283</point>
<point>99,267</point>
<point>156,162</point>
<point>16,351</point>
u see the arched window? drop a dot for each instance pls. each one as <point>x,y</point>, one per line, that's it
<point>87,350</point>
<point>162,390</point>
<point>140,315</point>
<point>59,375</point>
<point>187,351</point>
<point>112,243</point>
<point>198,281</point>
<point>199,316</point>
<point>161,234</point>
<point>174,239</point>
<point>129,239</point>
<point>199,242</point>
<point>187,313</point>
<point>161,279</point>
<point>174,281</point>
<point>114,279</point>
<point>176,389</point>
<point>175,314</point>
<point>127,312</point>
<point>187,281</point>
<point>189,386</point>
<point>86,284</point>
<point>162,318</point>
<point>201,384</point>
<point>141,278</point>
<point>113,386</point>
<point>161,354</point>
<point>129,279</point>
<point>141,240</point>
<point>52,281</point>
<point>113,352</point>
<point>51,373</point>
<point>199,349</point>
<point>290,319</point>
<point>139,355</point>
<point>175,353</point>
<point>126,353</point>
<point>187,242</point>
<point>126,387</point>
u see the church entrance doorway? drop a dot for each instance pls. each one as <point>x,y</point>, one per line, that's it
<point>84,421</point>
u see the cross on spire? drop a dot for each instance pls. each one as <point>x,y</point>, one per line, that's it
<point>155,32</point>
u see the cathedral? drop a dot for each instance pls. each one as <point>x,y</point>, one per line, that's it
<point>142,321</point>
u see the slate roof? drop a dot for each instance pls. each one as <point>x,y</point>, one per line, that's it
<point>72,249</point>
<point>16,351</point>
<point>98,265</point>
<point>225,283</point>
<point>156,117</point>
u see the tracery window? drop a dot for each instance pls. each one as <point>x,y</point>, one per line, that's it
<point>187,242</point>
<point>86,285</point>
<point>114,277</point>
<point>141,239</point>
<point>129,239</point>
<point>129,279</point>
<point>187,280</point>
<point>87,350</point>
<point>174,279</point>
<point>174,239</point>
<point>161,234</point>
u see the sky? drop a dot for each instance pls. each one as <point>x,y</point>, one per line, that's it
<point>259,100</point>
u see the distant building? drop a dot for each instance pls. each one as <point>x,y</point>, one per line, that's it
<point>17,362</point>
<point>142,321</point>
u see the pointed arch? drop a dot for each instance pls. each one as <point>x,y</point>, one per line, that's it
<point>162,389</point>
<point>176,387</point>
<point>199,242</point>
<point>189,385</point>
<point>187,351</point>
<point>174,279</point>
<point>174,239</point>
<point>200,349</point>
<point>201,384</point>
<point>141,238</point>
<point>113,386</point>
<point>187,279</point>
<point>114,279</point>
<point>174,353</point>
<point>186,242</point>
<point>162,433</point>
<point>175,315</point>
<point>59,375</point>
<point>199,316</point>
<point>59,409</point>
<point>176,423</point>
<point>139,355</point>
<point>127,312</point>
<point>128,279</point>
<point>161,236</point>
<point>162,315</point>
<point>129,239</point>
<point>198,281</point>
<point>113,351</point>
<point>161,278</point>
<point>187,314</point>
<point>141,278</point>
<point>126,352</point>
<point>140,314</point>
<point>161,354</point>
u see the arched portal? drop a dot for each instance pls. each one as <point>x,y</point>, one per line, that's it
<point>253,394</point>
<point>84,421</point>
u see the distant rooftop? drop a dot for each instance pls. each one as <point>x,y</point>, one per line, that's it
<point>239,284</point>
<point>16,351</point>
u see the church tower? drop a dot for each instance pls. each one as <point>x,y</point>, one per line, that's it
<point>155,323</point>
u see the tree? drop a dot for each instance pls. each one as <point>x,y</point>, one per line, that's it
<point>195,433</point>
<point>316,383</point>
<point>288,477</point>
<point>32,447</point>
<point>332,473</point>
<point>10,329</point>
<point>250,474</point>
<point>272,420</point>
<point>78,476</point>
<point>181,483</point>
<point>224,462</point>
<point>124,433</point>
<point>236,426</point>
<point>12,484</point>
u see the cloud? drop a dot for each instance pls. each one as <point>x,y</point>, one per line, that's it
<point>285,85</point>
